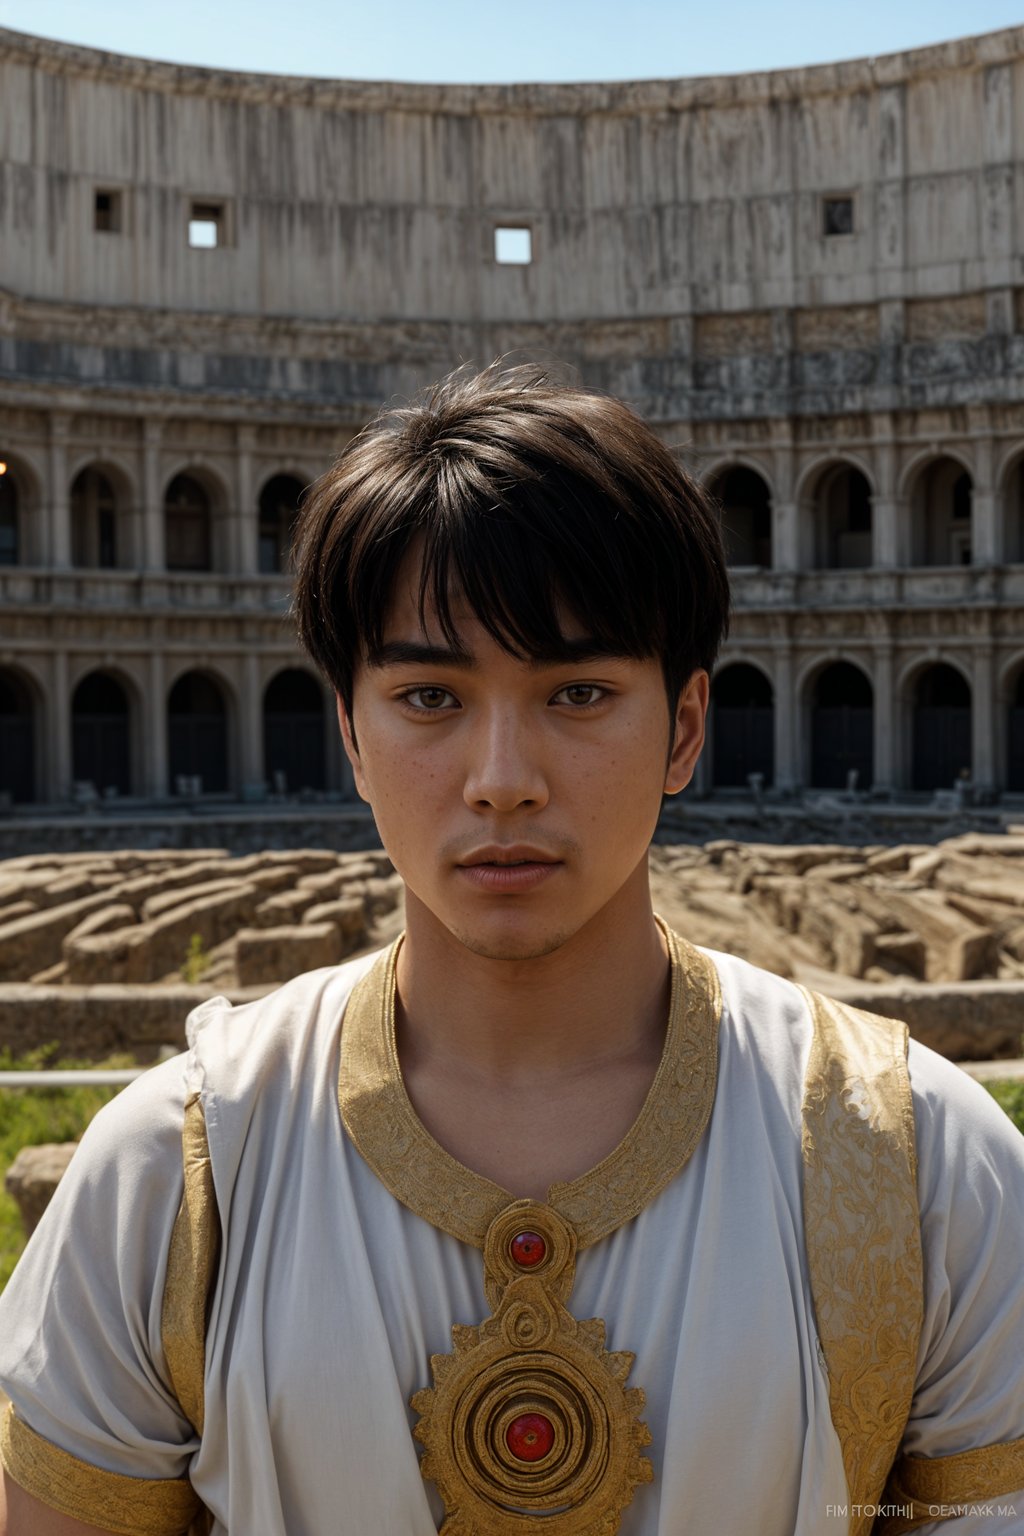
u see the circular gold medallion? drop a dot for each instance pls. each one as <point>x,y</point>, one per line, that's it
<point>529,1420</point>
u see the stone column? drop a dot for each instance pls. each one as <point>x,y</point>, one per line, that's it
<point>986,524</point>
<point>157,765</point>
<point>785,511</point>
<point>60,769</point>
<point>246,540</point>
<point>153,553</point>
<point>787,766</point>
<point>60,495</point>
<point>886,723</point>
<point>886,510</point>
<point>983,766</point>
<point>251,754</point>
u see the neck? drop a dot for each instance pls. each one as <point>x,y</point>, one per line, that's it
<point>600,998</point>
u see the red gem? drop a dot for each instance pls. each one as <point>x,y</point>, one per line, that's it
<point>527,1249</point>
<point>530,1437</point>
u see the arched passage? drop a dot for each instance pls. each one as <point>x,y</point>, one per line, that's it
<point>100,733</point>
<point>279,505</point>
<point>743,726</point>
<point>293,730</point>
<point>17,738</point>
<point>197,732</point>
<point>941,748</point>
<point>188,531</point>
<point>940,514</point>
<point>842,727</point>
<point>94,520</point>
<point>10,540</point>
<point>1013,514</point>
<point>746,505</point>
<point>842,519</point>
<point>1015,735</point>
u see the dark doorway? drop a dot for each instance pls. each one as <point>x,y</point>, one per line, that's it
<point>844,520</point>
<point>1015,736</point>
<point>187,518</point>
<point>93,521</point>
<point>746,515</point>
<point>100,751</point>
<point>293,730</point>
<point>17,740</point>
<point>279,509</point>
<point>942,728</point>
<point>842,728</point>
<point>197,732</point>
<point>743,727</point>
<point>9,543</point>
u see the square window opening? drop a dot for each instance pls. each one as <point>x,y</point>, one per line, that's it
<point>107,212</point>
<point>206,226</point>
<point>837,216</point>
<point>513,245</point>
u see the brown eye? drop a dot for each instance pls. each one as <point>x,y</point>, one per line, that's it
<point>582,695</point>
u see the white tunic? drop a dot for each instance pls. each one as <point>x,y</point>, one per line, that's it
<point>332,1296</point>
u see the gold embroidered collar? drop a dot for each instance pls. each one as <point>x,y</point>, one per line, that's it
<point>389,1135</point>
<point>529,1422</point>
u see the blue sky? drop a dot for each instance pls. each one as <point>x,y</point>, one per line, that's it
<point>454,40</point>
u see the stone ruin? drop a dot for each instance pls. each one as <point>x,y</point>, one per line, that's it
<point>132,918</point>
<point>99,951</point>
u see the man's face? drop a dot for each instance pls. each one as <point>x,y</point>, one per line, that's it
<point>559,767</point>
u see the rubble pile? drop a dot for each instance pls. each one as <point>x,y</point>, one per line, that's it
<point>946,912</point>
<point>163,916</point>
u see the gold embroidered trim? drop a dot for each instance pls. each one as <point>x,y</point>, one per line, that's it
<point>863,1234</point>
<point>128,1506</point>
<point>529,1420</point>
<point>389,1135</point>
<point>191,1265</point>
<point>917,1484</point>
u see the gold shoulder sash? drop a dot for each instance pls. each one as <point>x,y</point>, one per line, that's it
<point>863,1235</point>
<point>191,1268</point>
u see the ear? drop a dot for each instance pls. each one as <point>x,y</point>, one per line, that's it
<point>690,717</point>
<point>351,750</point>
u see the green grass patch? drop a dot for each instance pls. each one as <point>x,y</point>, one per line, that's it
<point>31,1116</point>
<point>1009,1095</point>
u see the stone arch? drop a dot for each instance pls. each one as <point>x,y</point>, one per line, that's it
<point>277,508</point>
<point>21,523</point>
<point>937,695</point>
<point>742,720</point>
<point>744,495</point>
<point>21,731</point>
<point>200,714</point>
<point>838,517</point>
<point>839,708</point>
<point>1010,480</point>
<point>941,492</point>
<point>104,711</point>
<point>195,503</point>
<point>295,730</point>
<point>1012,703</point>
<point>102,511</point>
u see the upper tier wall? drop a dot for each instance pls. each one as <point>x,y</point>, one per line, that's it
<point>373,201</point>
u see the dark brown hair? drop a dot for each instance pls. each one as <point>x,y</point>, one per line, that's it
<point>527,494</point>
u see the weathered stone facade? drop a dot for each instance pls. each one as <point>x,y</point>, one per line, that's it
<point>811,281</point>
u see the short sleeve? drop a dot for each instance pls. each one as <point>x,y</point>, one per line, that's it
<point>94,1428</point>
<point>964,1442</point>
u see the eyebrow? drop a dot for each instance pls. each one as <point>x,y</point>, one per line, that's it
<point>399,653</point>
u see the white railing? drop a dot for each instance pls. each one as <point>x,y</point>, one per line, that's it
<point>85,1077</point>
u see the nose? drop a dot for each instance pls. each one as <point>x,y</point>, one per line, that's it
<point>504,771</point>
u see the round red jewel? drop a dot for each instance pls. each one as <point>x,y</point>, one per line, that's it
<point>530,1437</point>
<point>528,1248</point>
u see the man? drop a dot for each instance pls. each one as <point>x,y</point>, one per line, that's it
<point>542,1221</point>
